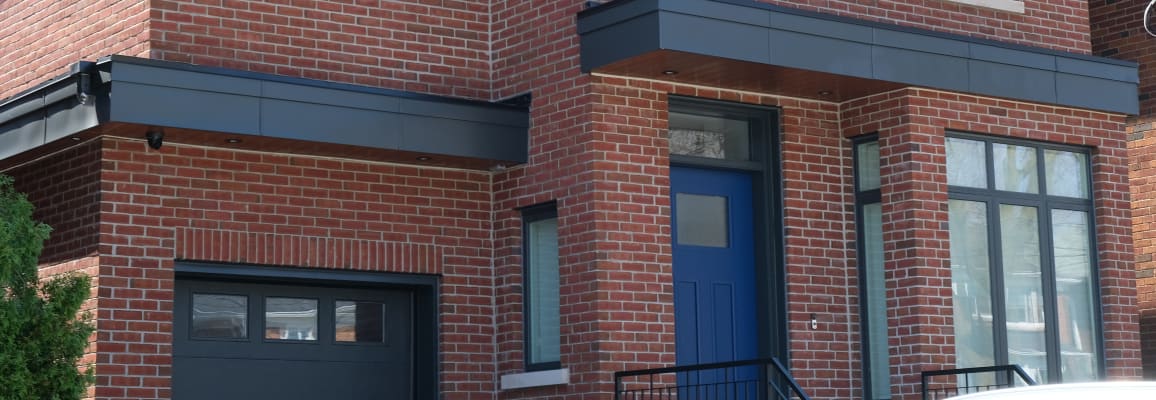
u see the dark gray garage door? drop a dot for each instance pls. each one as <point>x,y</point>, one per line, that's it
<point>237,340</point>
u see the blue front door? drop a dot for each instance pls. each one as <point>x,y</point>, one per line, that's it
<point>714,266</point>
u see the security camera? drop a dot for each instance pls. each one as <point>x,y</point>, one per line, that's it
<point>156,138</point>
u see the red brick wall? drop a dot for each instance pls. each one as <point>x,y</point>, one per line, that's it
<point>912,124</point>
<point>428,46</point>
<point>1142,153</point>
<point>1053,24</point>
<point>42,38</point>
<point>1117,32</point>
<point>65,189</point>
<point>218,204</point>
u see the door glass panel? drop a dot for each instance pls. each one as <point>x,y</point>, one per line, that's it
<point>709,137</point>
<point>971,284</point>
<point>868,169</point>
<point>220,316</point>
<point>966,163</point>
<point>1015,168</point>
<point>1023,289</point>
<point>1067,173</point>
<point>359,321</point>
<point>701,220</point>
<point>288,318</point>
<point>1075,299</point>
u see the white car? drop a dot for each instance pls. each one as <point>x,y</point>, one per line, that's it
<point>1115,390</point>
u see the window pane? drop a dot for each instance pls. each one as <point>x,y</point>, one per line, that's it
<point>701,220</point>
<point>876,295</point>
<point>220,316</point>
<point>971,284</point>
<point>1075,301</point>
<point>1067,173</point>
<point>290,318</point>
<point>966,163</point>
<point>1023,292</point>
<point>359,321</point>
<point>868,168</point>
<point>545,333</point>
<point>1015,168</point>
<point>710,137</point>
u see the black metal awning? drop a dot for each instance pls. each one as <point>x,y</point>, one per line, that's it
<point>149,94</point>
<point>750,45</point>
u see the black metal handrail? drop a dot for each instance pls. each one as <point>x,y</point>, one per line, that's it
<point>995,381</point>
<point>757,379</point>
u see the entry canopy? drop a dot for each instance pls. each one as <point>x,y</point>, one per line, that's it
<point>762,47</point>
<point>127,96</point>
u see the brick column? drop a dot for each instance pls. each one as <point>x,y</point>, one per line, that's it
<point>1142,156</point>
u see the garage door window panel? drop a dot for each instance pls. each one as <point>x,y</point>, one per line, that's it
<point>359,322</point>
<point>219,316</point>
<point>288,318</point>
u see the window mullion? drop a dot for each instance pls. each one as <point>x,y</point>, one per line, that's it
<point>1048,274</point>
<point>998,299</point>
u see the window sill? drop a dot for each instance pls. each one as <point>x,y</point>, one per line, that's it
<point>536,379</point>
<point>1016,6</point>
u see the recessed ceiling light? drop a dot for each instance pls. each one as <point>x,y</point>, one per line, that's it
<point>670,72</point>
<point>424,158</point>
<point>824,92</point>
<point>232,140</point>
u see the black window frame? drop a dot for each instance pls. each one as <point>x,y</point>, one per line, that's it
<point>1045,204</point>
<point>862,199</point>
<point>532,214</point>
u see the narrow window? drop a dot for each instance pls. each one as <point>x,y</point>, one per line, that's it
<point>873,288</point>
<point>540,269</point>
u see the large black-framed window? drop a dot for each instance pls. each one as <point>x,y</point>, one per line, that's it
<point>1023,263</point>
<point>872,281</point>
<point>541,281</point>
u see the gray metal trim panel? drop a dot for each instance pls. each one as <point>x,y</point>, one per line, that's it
<point>327,96</point>
<point>1074,89</point>
<point>152,75</point>
<point>305,121</point>
<point>178,107</point>
<point>924,69</point>
<point>840,45</point>
<point>1002,55</point>
<point>720,11</point>
<point>686,32</point>
<point>822,27</point>
<point>817,53</point>
<point>1096,70</point>
<point>605,45</point>
<point>1003,80</point>
<point>21,134</point>
<point>917,43</point>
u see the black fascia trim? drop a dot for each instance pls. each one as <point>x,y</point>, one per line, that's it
<point>785,37</point>
<point>170,65</point>
<point>923,32</point>
<point>168,94</point>
<point>606,7</point>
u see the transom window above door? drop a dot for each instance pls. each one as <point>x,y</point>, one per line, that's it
<point>706,136</point>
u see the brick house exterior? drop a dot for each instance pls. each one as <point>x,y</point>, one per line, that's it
<point>334,147</point>
<point>1118,32</point>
